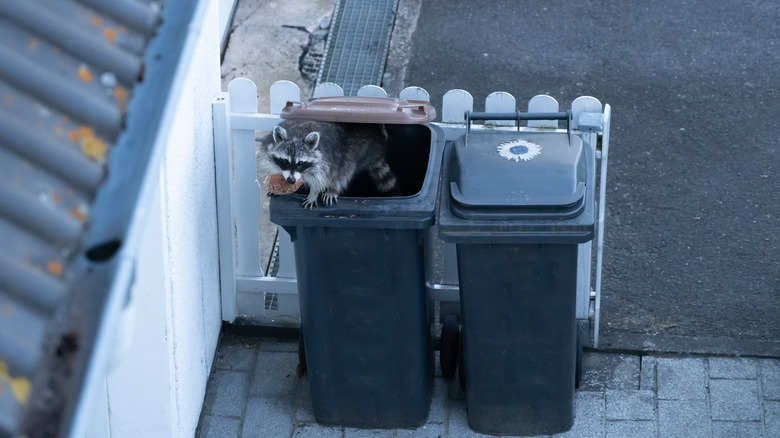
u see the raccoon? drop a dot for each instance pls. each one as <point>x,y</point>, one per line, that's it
<point>327,156</point>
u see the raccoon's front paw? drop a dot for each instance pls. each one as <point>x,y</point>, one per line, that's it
<point>330,198</point>
<point>310,201</point>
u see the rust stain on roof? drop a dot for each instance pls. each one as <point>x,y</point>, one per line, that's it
<point>78,214</point>
<point>54,268</point>
<point>94,148</point>
<point>110,35</point>
<point>84,73</point>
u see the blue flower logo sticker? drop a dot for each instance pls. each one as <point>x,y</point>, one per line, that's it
<point>519,150</point>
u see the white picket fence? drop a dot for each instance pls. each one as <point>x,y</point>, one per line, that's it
<point>249,293</point>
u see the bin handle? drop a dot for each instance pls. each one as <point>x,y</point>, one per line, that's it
<point>518,116</point>
<point>414,106</point>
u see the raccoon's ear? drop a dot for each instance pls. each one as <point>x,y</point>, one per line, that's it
<point>279,134</point>
<point>312,140</point>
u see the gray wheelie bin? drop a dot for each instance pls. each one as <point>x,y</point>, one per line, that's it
<point>517,204</point>
<point>361,281</point>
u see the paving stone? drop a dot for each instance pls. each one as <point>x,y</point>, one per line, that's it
<point>732,368</point>
<point>683,419</point>
<point>229,393</point>
<point>430,430</point>
<point>304,411</point>
<point>275,375</point>
<point>438,412</point>
<point>279,346</point>
<point>770,378</point>
<point>630,404</point>
<point>633,429</point>
<point>222,427</point>
<point>267,417</point>
<point>280,403</point>
<point>459,424</point>
<point>647,373</point>
<point>605,370</point>
<point>235,354</point>
<point>317,431</point>
<point>734,400</point>
<point>681,379</point>
<point>350,432</point>
<point>454,390</point>
<point>588,416</point>
<point>772,418</point>
<point>730,429</point>
<point>436,364</point>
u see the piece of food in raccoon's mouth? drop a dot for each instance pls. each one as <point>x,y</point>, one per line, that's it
<point>279,186</point>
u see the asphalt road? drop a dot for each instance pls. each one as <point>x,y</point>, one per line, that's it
<point>693,214</point>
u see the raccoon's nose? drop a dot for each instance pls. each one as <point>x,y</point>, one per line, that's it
<point>291,179</point>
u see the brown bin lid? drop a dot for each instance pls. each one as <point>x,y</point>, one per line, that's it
<point>360,109</point>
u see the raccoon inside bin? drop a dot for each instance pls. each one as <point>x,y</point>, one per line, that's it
<point>328,156</point>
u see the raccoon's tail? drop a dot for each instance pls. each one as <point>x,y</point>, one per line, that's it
<point>384,178</point>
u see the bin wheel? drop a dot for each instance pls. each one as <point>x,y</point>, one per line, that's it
<point>448,353</point>
<point>301,369</point>
<point>461,367</point>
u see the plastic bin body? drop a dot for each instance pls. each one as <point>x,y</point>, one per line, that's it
<point>365,326</point>
<point>361,282</point>
<point>517,247</point>
<point>518,329</point>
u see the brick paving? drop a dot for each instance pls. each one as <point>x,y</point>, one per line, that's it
<point>254,392</point>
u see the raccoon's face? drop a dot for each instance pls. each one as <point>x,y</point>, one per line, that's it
<point>292,167</point>
<point>292,155</point>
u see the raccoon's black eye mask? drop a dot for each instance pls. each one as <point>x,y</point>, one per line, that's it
<point>282,163</point>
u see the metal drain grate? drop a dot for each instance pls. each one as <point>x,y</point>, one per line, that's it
<point>357,44</point>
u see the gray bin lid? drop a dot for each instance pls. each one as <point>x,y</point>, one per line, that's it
<point>503,175</point>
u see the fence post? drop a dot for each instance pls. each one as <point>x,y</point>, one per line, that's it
<point>542,103</point>
<point>243,99</point>
<point>414,93</point>
<point>578,106</point>
<point>224,176</point>
<point>454,105</point>
<point>500,102</point>
<point>327,89</point>
<point>282,92</point>
<point>371,91</point>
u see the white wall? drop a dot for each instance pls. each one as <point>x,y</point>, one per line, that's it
<point>157,389</point>
<point>226,8</point>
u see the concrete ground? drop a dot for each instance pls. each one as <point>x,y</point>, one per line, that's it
<point>666,278</point>
<point>692,228</point>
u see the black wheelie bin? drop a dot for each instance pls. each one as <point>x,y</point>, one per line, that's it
<point>361,282</point>
<point>517,204</point>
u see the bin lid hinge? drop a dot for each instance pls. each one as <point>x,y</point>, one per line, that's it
<point>590,122</point>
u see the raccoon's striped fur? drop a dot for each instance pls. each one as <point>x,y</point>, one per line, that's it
<point>327,156</point>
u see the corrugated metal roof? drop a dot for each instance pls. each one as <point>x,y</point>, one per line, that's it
<point>67,75</point>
